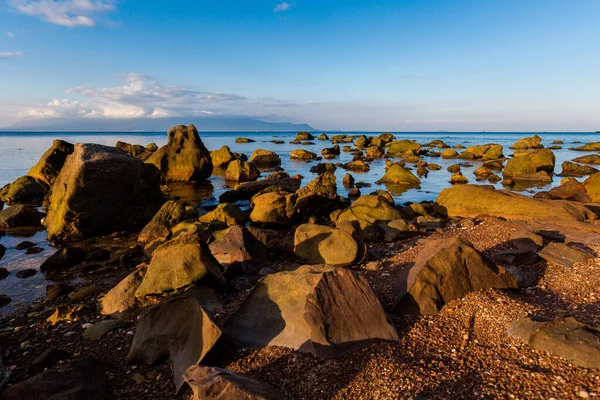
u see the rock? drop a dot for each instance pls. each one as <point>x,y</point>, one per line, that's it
<point>589,159</point>
<point>561,254</point>
<point>570,190</point>
<point>50,164</point>
<point>323,167</point>
<point>533,142</point>
<point>24,190</point>
<point>401,147</point>
<point>592,146</point>
<point>20,215</point>
<point>399,175</point>
<point>272,208</point>
<point>240,246</point>
<point>357,166</point>
<point>382,139</point>
<point>301,154</point>
<point>241,171</point>
<point>318,244</point>
<point>134,150</point>
<point>26,273</point>
<point>57,290</point>
<point>220,158</point>
<point>101,190</point>
<point>529,163</point>
<point>99,329</point>
<point>375,152</point>
<point>47,359</point>
<point>573,169</point>
<point>371,208</point>
<point>179,329</point>
<point>525,240</point>
<point>184,158</point>
<point>449,153</point>
<point>265,158</point>
<point>178,263</point>
<point>483,152</point>
<point>323,137</point>
<point>120,301</point>
<point>84,292</point>
<point>4,300</point>
<point>244,140</point>
<point>246,190</point>
<point>151,147</point>
<point>228,213</point>
<point>331,152</point>
<point>348,181</point>
<point>67,313</point>
<point>24,245</point>
<point>563,337</point>
<point>304,136</point>
<point>159,228</point>
<point>458,178</point>
<point>3,271</point>
<point>79,379</point>
<point>62,260</point>
<point>592,187</point>
<point>473,200</point>
<point>318,197</point>
<point>322,310</point>
<point>213,383</point>
<point>445,270</point>
<point>354,193</point>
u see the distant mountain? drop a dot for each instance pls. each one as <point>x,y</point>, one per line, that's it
<point>203,124</point>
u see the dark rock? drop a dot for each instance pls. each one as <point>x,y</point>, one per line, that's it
<point>47,359</point>
<point>24,190</point>
<point>84,292</point>
<point>158,230</point>
<point>179,329</point>
<point>3,273</point>
<point>24,245</point>
<point>134,150</point>
<point>63,259</point>
<point>348,181</point>
<point>213,383</point>
<point>240,247</point>
<point>34,250</point>
<point>99,329</point>
<point>4,300</point>
<point>57,290</point>
<point>562,254</point>
<point>20,215</point>
<point>26,273</point>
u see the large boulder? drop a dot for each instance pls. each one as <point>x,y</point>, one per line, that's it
<point>24,190</point>
<point>527,164</point>
<point>399,175</point>
<point>159,228</point>
<point>20,215</point>
<point>179,263</point>
<point>483,152</point>
<point>563,337</point>
<point>184,158</point>
<point>592,187</point>
<point>318,197</point>
<point>322,310</point>
<point>217,383</point>
<point>178,329</point>
<point>473,200</point>
<point>265,158</point>
<point>241,171</point>
<point>445,270</point>
<point>50,164</point>
<point>533,142</point>
<point>220,158</point>
<point>318,244</point>
<point>274,208</point>
<point>101,190</point>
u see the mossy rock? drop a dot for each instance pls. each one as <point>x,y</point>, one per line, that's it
<point>46,170</point>
<point>399,175</point>
<point>371,208</point>
<point>220,158</point>
<point>24,190</point>
<point>401,147</point>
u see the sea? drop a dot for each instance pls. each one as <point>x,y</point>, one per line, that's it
<point>19,151</point>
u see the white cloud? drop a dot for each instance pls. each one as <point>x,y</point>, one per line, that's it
<point>71,13</point>
<point>58,108</point>
<point>10,34</point>
<point>282,7</point>
<point>10,54</point>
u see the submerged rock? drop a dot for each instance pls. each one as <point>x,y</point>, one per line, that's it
<point>101,190</point>
<point>292,309</point>
<point>184,158</point>
<point>445,270</point>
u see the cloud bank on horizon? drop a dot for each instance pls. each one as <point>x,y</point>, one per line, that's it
<point>346,65</point>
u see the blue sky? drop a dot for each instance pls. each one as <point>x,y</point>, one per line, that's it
<point>348,65</point>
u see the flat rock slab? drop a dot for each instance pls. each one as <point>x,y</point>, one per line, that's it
<point>221,384</point>
<point>179,329</point>
<point>561,254</point>
<point>564,337</point>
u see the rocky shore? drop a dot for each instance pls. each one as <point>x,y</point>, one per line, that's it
<point>287,290</point>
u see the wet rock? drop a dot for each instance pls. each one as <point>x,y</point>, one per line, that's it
<point>375,152</point>
<point>323,137</point>
<point>301,154</point>
<point>265,158</point>
<point>178,263</point>
<point>241,171</point>
<point>212,383</point>
<point>227,213</point>
<point>50,164</point>
<point>564,255</point>
<point>323,167</point>
<point>445,270</point>
<point>26,273</point>
<point>24,245</point>
<point>318,197</point>
<point>244,140</point>
<point>399,175</point>
<point>458,178</point>
<point>220,158</point>
<point>24,190</point>
<point>354,193</point>
<point>591,146</point>
<point>490,151</point>
<point>99,329</point>
<point>246,190</point>
<point>159,228</point>
<point>348,181</point>
<point>179,329</point>
<point>34,250</point>
<point>184,158</point>
<point>331,152</point>
<point>573,169</point>
<point>528,164</point>
<point>592,187</point>
<point>291,309</point>
<point>304,136</point>
<point>318,244</point>
<point>533,142</point>
<point>357,166</point>
<point>240,248</point>
<point>101,190</point>
<point>401,147</point>
<point>570,190</point>
<point>80,379</point>
<point>63,259</point>
<point>20,215</point>
<point>47,359</point>
<point>589,159</point>
<point>563,337</point>
<point>473,200</point>
<point>449,153</point>
<point>382,139</point>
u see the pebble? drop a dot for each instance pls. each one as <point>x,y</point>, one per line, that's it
<point>86,326</point>
<point>583,394</point>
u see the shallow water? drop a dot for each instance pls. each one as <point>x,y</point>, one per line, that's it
<point>20,151</point>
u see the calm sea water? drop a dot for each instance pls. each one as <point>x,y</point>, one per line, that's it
<point>19,151</point>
